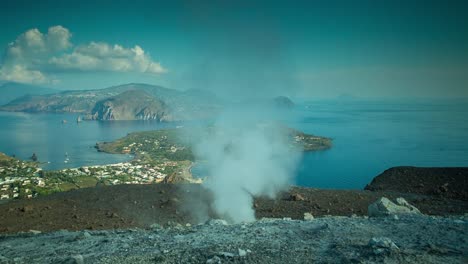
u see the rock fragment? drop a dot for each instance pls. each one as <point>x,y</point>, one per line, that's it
<point>227,254</point>
<point>83,235</point>
<point>76,259</point>
<point>242,252</point>
<point>214,260</point>
<point>35,232</point>
<point>308,217</point>
<point>385,207</point>
<point>212,222</point>
<point>296,197</point>
<point>382,245</point>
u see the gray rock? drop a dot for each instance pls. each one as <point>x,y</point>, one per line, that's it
<point>35,232</point>
<point>83,235</point>
<point>216,222</point>
<point>76,259</point>
<point>308,217</point>
<point>382,244</point>
<point>226,254</point>
<point>214,260</point>
<point>402,202</point>
<point>241,252</point>
<point>174,225</point>
<point>385,207</point>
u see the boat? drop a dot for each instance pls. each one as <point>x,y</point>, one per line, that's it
<point>78,120</point>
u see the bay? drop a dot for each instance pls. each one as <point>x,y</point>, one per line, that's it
<point>368,137</point>
<point>22,134</point>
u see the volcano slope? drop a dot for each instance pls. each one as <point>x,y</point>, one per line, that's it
<point>407,239</point>
<point>157,224</point>
<point>130,206</point>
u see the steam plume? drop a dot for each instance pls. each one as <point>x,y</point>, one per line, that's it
<point>246,154</point>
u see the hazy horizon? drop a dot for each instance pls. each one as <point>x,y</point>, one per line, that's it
<point>300,49</point>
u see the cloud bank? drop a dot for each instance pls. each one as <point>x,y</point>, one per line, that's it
<point>34,57</point>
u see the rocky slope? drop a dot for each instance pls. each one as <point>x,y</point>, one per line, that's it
<point>407,239</point>
<point>449,183</point>
<point>131,105</point>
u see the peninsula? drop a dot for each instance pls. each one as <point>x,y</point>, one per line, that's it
<point>159,156</point>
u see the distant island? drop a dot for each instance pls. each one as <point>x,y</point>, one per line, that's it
<point>283,102</point>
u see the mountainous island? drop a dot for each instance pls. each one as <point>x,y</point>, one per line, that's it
<point>134,101</point>
<point>124,102</point>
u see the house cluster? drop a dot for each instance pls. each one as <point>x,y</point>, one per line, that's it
<point>299,138</point>
<point>13,188</point>
<point>133,146</point>
<point>173,149</point>
<point>138,174</point>
<point>16,179</point>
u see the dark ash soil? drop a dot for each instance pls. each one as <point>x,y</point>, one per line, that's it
<point>128,206</point>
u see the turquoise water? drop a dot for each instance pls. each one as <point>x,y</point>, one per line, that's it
<point>22,134</point>
<point>368,137</point>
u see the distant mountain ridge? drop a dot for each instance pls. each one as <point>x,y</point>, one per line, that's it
<point>10,91</point>
<point>123,102</point>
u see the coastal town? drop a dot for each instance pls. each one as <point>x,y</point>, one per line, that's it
<point>15,182</point>
<point>160,156</point>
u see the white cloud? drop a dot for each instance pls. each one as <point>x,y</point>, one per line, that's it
<point>18,73</point>
<point>58,38</point>
<point>99,56</point>
<point>33,57</point>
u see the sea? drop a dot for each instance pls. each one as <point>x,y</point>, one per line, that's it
<point>368,138</point>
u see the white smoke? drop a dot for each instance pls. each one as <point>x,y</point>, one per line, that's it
<point>246,155</point>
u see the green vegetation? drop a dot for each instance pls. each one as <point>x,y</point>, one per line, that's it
<point>310,142</point>
<point>150,146</point>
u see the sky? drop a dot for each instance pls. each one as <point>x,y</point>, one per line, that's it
<point>309,49</point>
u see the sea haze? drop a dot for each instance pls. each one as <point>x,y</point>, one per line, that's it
<point>368,137</point>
